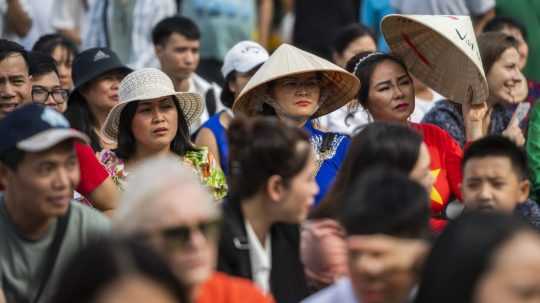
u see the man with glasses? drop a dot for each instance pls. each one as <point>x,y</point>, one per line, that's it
<point>46,88</point>
<point>166,205</point>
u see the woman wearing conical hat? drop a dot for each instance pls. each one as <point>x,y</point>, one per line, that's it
<point>297,87</point>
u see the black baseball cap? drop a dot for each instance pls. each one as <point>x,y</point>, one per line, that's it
<point>35,128</point>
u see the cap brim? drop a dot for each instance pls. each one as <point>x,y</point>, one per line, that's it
<point>91,76</point>
<point>50,138</point>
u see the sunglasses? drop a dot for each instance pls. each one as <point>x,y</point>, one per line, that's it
<point>180,236</point>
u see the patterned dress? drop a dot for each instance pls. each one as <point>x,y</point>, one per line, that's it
<point>202,162</point>
<point>330,150</point>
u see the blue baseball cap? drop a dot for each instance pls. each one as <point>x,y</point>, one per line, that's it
<point>35,128</point>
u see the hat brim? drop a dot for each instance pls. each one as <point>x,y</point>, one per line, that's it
<point>431,55</point>
<point>337,89</point>
<point>75,93</point>
<point>49,138</point>
<point>189,103</point>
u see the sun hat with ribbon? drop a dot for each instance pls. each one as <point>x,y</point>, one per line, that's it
<point>440,51</point>
<point>145,84</point>
<point>338,86</point>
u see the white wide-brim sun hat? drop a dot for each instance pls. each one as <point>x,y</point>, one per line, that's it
<point>339,85</point>
<point>145,84</point>
<point>440,51</point>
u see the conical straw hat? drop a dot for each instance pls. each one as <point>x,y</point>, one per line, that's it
<point>440,51</point>
<point>338,87</point>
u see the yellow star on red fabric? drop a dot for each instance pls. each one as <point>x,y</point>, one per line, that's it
<point>435,195</point>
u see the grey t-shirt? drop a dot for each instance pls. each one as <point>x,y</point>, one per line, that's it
<point>443,7</point>
<point>22,261</point>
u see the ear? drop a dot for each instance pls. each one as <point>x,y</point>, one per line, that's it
<point>232,86</point>
<point>3,175</point>
<point>336,57</point>
<point>158,49</point>
<point>524,190</point>
<point>275,188</point>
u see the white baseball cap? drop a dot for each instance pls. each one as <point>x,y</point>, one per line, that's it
<point>243,57</point>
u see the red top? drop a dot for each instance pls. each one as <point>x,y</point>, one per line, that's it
<point>446,156</point>
<point>92,172</point>
<point>222,288</point>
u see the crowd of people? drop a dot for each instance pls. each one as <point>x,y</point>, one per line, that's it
<point>155,151</point>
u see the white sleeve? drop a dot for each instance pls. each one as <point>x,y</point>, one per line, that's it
<point>480,7</point>
<point>66,14</point>
<point>147,14</point>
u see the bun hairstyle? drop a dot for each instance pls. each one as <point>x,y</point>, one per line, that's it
<point>260,148</point>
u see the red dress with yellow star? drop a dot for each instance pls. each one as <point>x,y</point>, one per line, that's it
<point>446,156</point>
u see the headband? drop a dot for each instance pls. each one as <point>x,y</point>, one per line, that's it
<point>364,59</point>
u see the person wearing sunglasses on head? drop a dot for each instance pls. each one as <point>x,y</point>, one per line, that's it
<point>166,205</point>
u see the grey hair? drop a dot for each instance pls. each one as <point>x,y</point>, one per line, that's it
<point>145,182</point>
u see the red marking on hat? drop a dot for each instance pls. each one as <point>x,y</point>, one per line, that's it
<point>453,17</point>
<point>416,51</point>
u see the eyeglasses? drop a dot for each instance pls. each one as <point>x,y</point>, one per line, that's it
<point>40,94</point>
<point>181,235</point>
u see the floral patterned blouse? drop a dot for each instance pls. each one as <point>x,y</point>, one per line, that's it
<point>201,161</point>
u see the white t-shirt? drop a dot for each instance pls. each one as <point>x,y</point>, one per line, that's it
<point>70,14</point>
<point>200,86</point>
<point>261,259</point>
<point>4,33</point>
<point>41,13</point>
<point>422,106</point>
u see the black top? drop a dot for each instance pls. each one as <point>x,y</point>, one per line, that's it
<point>287,279</point>
<point>317,22</point>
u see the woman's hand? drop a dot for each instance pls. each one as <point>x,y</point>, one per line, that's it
<point>514,132</point>
<point>520,91</point>
<point>476,118</point>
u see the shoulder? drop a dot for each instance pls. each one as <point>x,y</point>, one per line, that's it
<point>113,164</point>
<point>429,129</point>
<point>108,157</point>
<point>341,291</point>
<point>530,211</point>
<point>213,122</point>
<point>441,110</point>
<point>88,219</point>
<point>224,288</point>
<point>203,85</point>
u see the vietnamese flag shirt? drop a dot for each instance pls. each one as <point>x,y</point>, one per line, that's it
<point>446,156</point>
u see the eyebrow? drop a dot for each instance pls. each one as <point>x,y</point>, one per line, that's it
<point>148,102</point>
<point>390,81</point>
